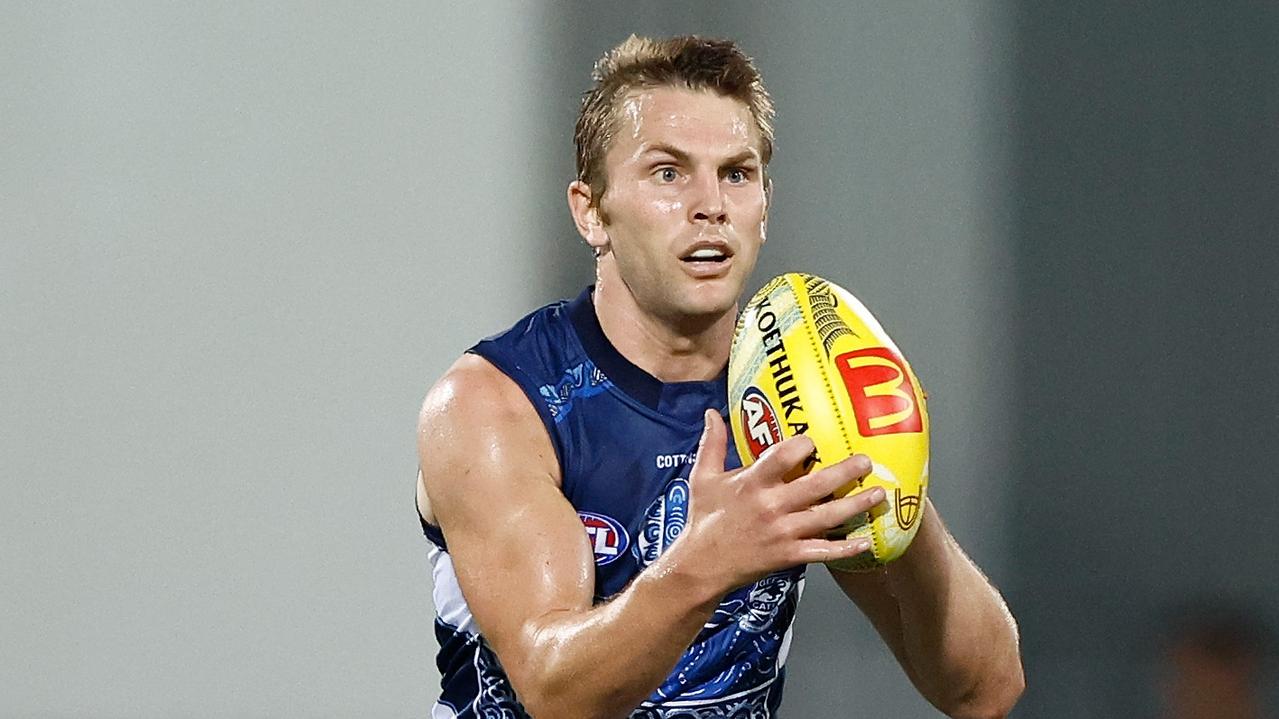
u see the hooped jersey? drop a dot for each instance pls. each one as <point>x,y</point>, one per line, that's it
<point>626,443</point>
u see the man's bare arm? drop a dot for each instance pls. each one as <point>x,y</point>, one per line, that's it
<point>527,572</point>
<point>947,625</point>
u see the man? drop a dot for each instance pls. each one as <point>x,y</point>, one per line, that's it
<point>597,551</point>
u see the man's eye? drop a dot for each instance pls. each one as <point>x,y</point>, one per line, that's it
<point>737,176</point>
<point>667,174</point>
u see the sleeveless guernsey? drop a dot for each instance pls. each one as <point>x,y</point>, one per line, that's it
<point>625,443</point>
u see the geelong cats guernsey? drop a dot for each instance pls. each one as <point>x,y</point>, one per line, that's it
<point>626,444</point>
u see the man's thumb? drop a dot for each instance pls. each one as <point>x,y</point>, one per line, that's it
<point>713,447</point>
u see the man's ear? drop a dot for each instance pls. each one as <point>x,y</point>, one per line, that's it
<point>587,217</point>
<point>768,204</point>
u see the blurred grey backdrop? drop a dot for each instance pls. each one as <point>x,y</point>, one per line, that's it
<point>240,241</point>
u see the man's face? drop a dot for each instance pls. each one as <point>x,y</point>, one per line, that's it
<point>685,209</point>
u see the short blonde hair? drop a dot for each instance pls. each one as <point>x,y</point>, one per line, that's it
<point>641,62</point>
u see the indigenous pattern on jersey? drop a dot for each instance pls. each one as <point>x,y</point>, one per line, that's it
<point>626,444</point>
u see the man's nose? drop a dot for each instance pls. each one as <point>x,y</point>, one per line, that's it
<point>708,205</point>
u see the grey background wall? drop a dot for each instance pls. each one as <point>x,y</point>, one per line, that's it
<point>237,243</point>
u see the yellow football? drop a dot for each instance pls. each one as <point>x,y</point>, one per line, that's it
<point>809,358</point>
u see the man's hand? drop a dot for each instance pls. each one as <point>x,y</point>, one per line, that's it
<point>746,523</point>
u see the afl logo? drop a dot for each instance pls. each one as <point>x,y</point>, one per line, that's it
<point>608,537</point>
<point>760,422</point>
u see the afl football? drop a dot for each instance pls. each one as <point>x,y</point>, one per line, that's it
<point>809,358</point>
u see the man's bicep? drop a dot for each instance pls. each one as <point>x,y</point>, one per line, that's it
<point>491,476</point>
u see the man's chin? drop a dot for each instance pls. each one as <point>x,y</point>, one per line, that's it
<point>707,308</point>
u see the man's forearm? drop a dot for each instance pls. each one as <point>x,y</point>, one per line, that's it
<point>605,661</point>
<point>957,634</point>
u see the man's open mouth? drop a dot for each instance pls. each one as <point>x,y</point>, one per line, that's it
<point>707,254</point>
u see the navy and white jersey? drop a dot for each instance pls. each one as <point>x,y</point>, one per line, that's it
<point>626,444</point>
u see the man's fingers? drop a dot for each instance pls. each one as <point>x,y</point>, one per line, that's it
<point>826,550</point>
<point>781,459</point>
<point>812,488</point>
<point>712,449</point>
<point>815,520</point>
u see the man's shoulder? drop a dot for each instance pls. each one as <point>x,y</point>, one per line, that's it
<point>476,417</point>
<point>506,387</point>
<point>472,384</point>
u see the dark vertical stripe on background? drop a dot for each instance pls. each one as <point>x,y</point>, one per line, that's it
<point>1147,236</point>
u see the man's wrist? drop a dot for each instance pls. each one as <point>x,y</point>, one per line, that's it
<point>689,573</point>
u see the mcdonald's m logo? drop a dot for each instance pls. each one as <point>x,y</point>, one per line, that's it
<point>882,393</point>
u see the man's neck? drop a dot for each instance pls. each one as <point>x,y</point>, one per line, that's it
<point>670,351</point>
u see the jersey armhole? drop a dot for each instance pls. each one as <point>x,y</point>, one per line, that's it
<point>434,534</point>
<point>531,392</point>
